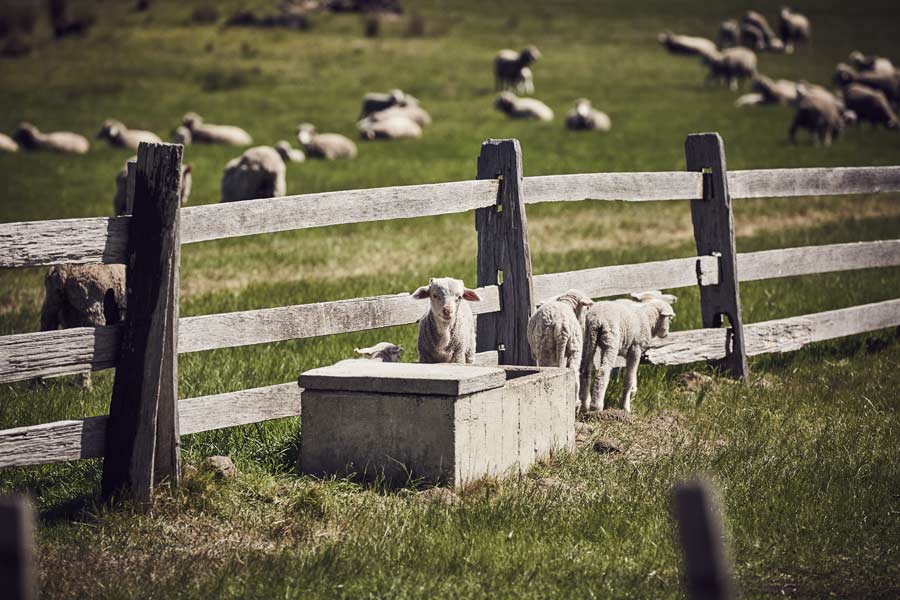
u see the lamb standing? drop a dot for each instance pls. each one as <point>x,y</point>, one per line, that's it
<point>621,328</point>
<point>329,146</point>
<point>257,173</point>
<point>522,108</point>
<point>447,330</point>
<point>509,70</point>
<point>215,134</point>
<point>555,331</point>
<point>31,138</point>
<point>122,137</point>
<point>382,351</point>
<point>584,117</point>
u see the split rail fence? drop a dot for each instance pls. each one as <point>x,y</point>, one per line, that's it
<point>140,438</point>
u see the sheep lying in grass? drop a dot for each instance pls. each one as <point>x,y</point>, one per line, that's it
<point>119,135</point>
<point>83,296</point>
<point>413,112</point>
<point>31,138</point>
<point>888,84</point>
<point>257,173</point>
<point>584,117</point>
<point>767,91</point>
<point>329,146</point>
<point>522,108</point>
<point>382,351</point>
<point>215,134</point>
<point>447,330</point>
<point>555,331</point>
<point>620,328</point>
<point>394,127</point>
<point>289,153</point>
<point>511,70</point>
<point>7,144</point>
<point>120,198</point>
<point>374,102</point>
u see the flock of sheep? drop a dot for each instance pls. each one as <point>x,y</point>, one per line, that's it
<point>869,86</point>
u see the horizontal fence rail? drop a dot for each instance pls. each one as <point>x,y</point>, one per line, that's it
<point>630,187</point>
<point>777,183</point>
<point>84,438</point>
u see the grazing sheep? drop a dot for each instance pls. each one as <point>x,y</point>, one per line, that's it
<point>289,153</point>
<point>874,64</point>
<point>753,19</point>
<point>522,108</point>
<point>7,144</point>
<point>870,105</point>
<point>768,91</point>
<point>555,331</point>
<point>122,137</point>
<point>509,67</point>
<point>732,65</point>
<point>382,351</point>
<point>90,295</point>
<point>215,134</point>
<point>818,114</point>
<point>329,146</point>
<point>120,198</point>
<point>447,330</point>
<point>794,29</point>
<point>413,112</point>
<point>182,136</point>
<point>374,102</point>
<point>729,33</point>
<point>30,138</point>
<point>753,37</point>
<point>393,127</point>
<point>889,84</point>
<point>620,328</point>
<point>687,45</point>
<point>257,173</point>
<point>585,117</point>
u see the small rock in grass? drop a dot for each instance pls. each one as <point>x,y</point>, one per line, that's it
<point>438,494</point>
<point>607,446</point>
<point>221,466</point>
<point>615,414</point>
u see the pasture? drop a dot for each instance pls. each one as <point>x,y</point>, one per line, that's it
<point>805,455</point>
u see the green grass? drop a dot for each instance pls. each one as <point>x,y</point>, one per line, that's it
<point>805,458</point>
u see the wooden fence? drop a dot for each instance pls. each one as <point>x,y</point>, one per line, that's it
<point>141,436</point>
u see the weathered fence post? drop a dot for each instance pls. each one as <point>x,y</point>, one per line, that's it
<point>714,234</point>
<point>706,571</point>
<point>16,548</point>
<point>142,441</point>
<point>503,255</point>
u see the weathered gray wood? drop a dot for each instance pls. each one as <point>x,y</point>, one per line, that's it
<point>216,221</point>
<point>265,325</point>
<point>403,378</point>
<point>677,185</point>
<point>789,262</point>
<point>62,352</point>
<point>486,359</point>
<point>714,234</point>
<point>706,572</point>
<point>622,279</point>
<point>17,548</point>
<point>40,243</point>
<point>230,409</point>
<point>771,183</point>
<point>504,255</point>
<point>147,365</point>
<point>131,165</point>
<point>53,442</point>
<point>857,319</point>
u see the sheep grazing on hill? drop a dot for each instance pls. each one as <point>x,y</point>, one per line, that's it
<point>555,331</point>
<point>31,138</point>
<point>793,28</point>
<point>732,64</point>
<point>329,146</point>
<point>83,296</point>
<point>620,328</point>
<point>447,330</point>
<point>257,173</point>
<point>757,23</point>
<point>7,144</point>
<point>872,64</point>
<point>889,84</point>
<point>870,105</point>
<point>289,153</point>
<point>382,351</point>
<point>767,91</point>
<point>687,45</point>
<point>522,108</point>
<point>584,117</point>
<point>119,135</point>
<point>729,33</point>
<point>822,116</point>
<point>510,70</point>
<point>120,197</point>
<point>207,133</point>
<point>374,102</point>
<point>753,37</point>
<point>395,127</point>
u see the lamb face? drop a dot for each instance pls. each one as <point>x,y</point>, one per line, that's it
<point>446,294</point>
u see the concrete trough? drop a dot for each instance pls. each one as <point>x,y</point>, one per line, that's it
<point>441,423</point>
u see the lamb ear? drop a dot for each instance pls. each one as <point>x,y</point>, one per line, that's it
<point>471,295</point>
<point>666,311</point>
<point>645,296</point>
<point>668,298</point>
<point>422,292</point>
<point>586,302</point>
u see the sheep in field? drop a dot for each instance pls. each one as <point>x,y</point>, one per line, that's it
<point>31,138</point>
<point>687,45</point>
<point>395,127</point>
<point>207,133</point>
<point>382,351</point>
<point>729,33</point>
<point>888,84</point>
<point>732,65</point>
<point>509,67</point>
<point>374,102</point>
<point>757,23</point>
<point>257,173</point>
<point>872,64</point>
<point>329,146</point>
<point>447,330</point>
<point>620,328</point>
<point>767,91</point>
<point>870,105</point>
<point>119,135</point>
<point>555,331</point>
<point>289,153</point>
<point>7,144</point>
<point>794,29</point>
<point>584,117</point>
<point>522,108</point>
<point>823,116</point>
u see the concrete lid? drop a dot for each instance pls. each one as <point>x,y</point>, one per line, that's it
<point>403,378</point>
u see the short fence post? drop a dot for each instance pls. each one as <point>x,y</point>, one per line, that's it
<point>504,258</point>
<point>714,234</point>
<point>142,441</point>
<point>706,571</point>
<point>17,548</point>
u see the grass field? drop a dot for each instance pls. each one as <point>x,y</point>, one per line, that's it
<point>805,457</point>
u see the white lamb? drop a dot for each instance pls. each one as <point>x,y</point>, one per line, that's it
<point>555,331</point>
<point>382,351</point>
<point>621,328</point>
<point>447,330</point>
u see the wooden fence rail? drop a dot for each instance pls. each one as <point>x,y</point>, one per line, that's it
<point>146,446</point>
